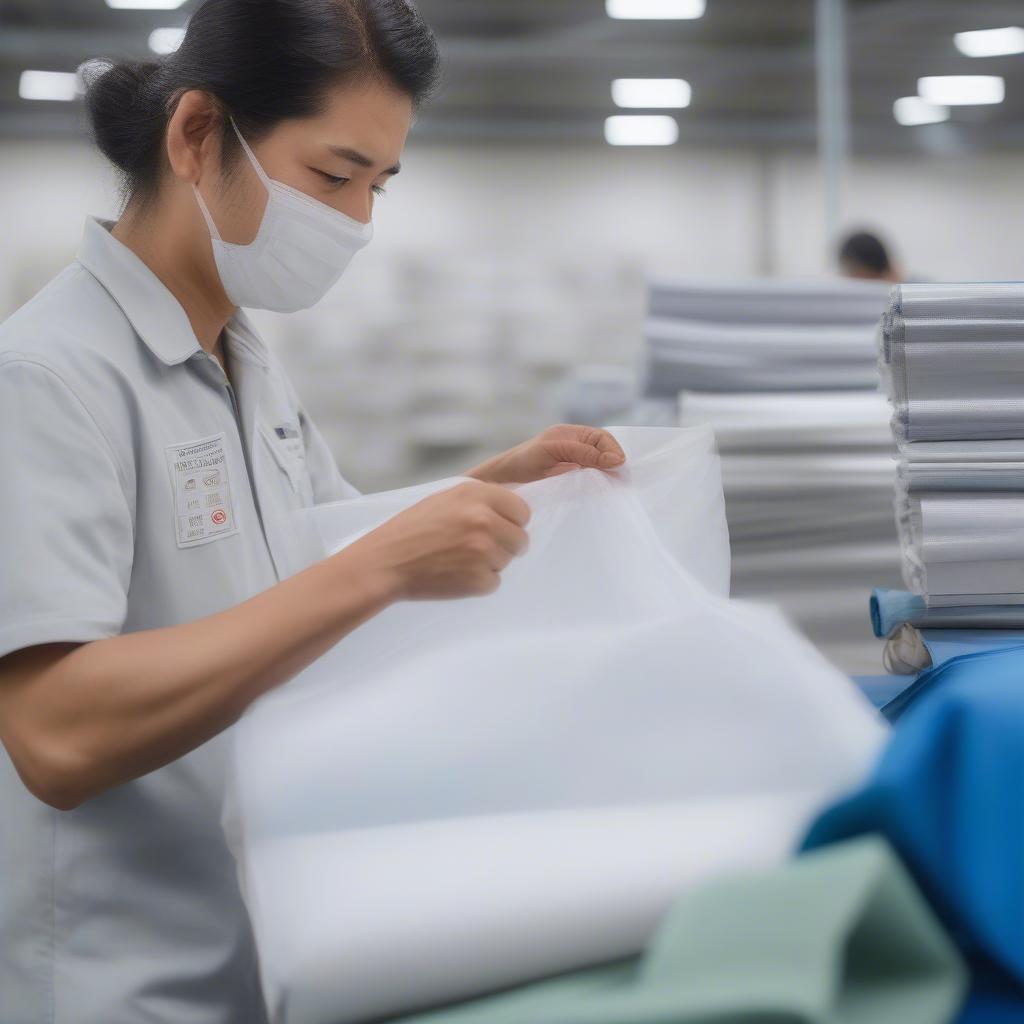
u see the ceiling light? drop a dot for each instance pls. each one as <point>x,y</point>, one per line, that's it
<point>48,85</point>
<point>664,10</point>
<point>165,40</point>
<point>990,42</point>
<point>651,92</point>
<point>958,90</point>
<point>640,130</point>
<point>911,110</point>
<point>145,5</point>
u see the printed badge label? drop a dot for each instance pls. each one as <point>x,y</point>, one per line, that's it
<point>202,492</point>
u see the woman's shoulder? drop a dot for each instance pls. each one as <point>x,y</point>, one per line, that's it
<point>72,327</point>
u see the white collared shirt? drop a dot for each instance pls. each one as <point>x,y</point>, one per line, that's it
<point>140,489</point>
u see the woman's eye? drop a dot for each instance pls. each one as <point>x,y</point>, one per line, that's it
<point>379,190</point>
<point>332,179</point>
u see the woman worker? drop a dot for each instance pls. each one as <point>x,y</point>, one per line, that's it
<point>148,439</point>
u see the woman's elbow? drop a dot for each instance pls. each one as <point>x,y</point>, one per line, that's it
<point>50,773</point>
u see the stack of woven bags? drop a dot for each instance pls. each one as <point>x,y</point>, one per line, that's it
<point>952,358</point>
<point>785,372</point>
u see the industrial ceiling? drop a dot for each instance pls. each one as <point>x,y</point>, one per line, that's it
<point>540,70</point>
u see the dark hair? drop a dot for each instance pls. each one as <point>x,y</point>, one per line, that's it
<point>864,249</point>
<point>264,61</point>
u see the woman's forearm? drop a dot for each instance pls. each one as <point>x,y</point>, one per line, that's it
<point>79,720</point>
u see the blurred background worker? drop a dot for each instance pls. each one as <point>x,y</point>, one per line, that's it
<point>864,256</point>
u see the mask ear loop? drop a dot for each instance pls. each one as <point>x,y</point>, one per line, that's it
<point>256,166</point>
<point>204,209</point>
<point>214,233</point>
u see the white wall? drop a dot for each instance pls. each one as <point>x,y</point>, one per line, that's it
<point>495,267</point>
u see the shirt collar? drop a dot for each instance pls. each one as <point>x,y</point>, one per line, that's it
<point>154,313</point>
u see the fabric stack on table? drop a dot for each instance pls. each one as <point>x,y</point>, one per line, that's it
<point>953,361</point>
<point>760,335</point>
<point>786,374</point>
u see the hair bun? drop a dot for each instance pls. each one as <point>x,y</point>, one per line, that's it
<point>124,110</point>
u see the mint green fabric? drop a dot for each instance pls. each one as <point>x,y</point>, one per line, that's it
<point>838,936</point>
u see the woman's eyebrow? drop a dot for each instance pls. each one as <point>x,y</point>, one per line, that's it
<point>358,158</point>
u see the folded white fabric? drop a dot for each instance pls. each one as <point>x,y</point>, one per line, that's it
<point>953,360</point>
<point>767,300</point>
<point>760,335</point>
<point>688,354</point>
<point>467,795</point>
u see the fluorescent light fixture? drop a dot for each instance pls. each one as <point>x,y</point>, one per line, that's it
<point>165,40</point>
<point>662,10</point>
<point>651,92</point>
<point>961,90</point>
<point>640,130</point>
<point>990,42</point>
<point>145,5</point>
<point>911,110</point>
<point>48,85</point>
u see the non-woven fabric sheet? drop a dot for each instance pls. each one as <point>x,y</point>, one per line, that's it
<point>835,935</point>
<point>464,796</point>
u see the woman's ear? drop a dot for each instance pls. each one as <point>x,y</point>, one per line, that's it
<point>193,136</point>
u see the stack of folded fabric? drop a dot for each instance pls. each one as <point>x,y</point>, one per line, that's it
<point>760,335</point>
<point>953,362</point>
<point>786,374</point>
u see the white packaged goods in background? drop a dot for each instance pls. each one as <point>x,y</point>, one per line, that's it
<point>467,795</point>
<point>786,374</point>
<point>952,357</point>
<point>428,365</point>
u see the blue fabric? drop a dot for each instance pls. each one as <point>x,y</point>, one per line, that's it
<point>891,608</point>
<point>992,1003</point>
<point>943,654</point>
<point>882,690</point>
<point>948,793</point>
<point>946,644</point>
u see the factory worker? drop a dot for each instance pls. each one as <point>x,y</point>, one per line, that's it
<point>147,439</point>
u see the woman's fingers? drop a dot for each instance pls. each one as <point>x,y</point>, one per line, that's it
<point>580,453</point>
<point>508,504</point>
<point>513,539</point>
<point>610,449</point>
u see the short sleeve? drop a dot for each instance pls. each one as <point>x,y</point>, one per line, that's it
<point>66,532</point>
<point>328,483</point>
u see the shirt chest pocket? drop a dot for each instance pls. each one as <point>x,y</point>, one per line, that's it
<point>287,452</point>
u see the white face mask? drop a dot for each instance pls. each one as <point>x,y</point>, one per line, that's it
<point>301,248</point>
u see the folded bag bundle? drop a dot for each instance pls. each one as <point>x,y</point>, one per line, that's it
<point>464,796</point>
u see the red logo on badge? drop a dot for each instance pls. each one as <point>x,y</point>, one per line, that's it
<point>219,517</point>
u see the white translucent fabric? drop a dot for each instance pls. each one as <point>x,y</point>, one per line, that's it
<point>468,795</point>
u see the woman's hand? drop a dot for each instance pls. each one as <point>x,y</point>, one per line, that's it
<point>452,544</point>
<point>556,450</point>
